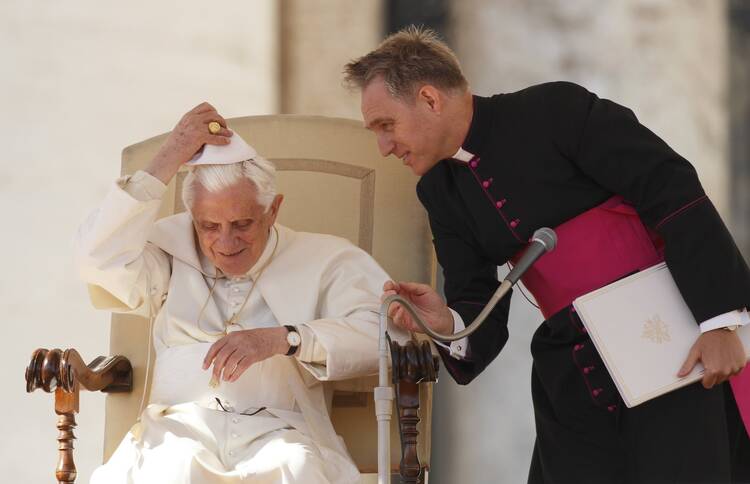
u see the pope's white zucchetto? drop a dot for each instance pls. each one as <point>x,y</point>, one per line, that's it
<point>237,150</point>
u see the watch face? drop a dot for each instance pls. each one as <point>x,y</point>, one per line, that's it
<point>293,338</point>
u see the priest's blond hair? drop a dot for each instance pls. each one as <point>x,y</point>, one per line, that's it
<point>406,60</point>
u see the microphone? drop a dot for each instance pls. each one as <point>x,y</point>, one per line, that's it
<point>543,241</point>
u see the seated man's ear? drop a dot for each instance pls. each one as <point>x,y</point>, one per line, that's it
<point>274,208</point>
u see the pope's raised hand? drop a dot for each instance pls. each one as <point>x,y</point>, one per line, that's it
<point>186,139</point>
<point>428,304</point>
<point>237,351</point>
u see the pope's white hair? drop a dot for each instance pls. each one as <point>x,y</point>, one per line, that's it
<point>216,178</point>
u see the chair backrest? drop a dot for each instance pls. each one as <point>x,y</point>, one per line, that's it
<point>334,181</point>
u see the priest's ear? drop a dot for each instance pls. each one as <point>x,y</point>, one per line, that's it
<point>431,97</point>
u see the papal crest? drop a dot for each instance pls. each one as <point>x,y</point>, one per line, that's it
<point>656,330</point>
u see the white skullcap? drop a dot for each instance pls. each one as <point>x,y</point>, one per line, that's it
<point>237,150</point>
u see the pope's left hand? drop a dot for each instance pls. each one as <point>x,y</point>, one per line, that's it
<point>721,353</point>
<point>235,352</point>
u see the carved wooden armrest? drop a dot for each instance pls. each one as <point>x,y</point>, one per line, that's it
<point>64,373</point>
<point>412,364</point>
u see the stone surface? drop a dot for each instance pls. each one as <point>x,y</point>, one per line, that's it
<point>316,43</point>
<point>81,80</point>
<point>739,112</point>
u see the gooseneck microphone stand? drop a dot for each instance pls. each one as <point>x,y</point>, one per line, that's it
<point>543,240</point>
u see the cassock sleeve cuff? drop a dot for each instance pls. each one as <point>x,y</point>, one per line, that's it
<point>739,317</point>
<point>142,186</point>
<point>460,348</point>
<point>310,351</point>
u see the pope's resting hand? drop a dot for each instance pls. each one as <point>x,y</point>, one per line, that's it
<point>235,352</point>
<point>721,353</point>
<point>428,304</point>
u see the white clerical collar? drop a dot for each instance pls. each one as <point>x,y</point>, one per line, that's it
<point>463,155</point>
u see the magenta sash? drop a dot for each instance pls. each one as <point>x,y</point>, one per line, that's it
<point>594,249</point>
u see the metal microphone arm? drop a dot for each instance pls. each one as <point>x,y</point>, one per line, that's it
<point>543,240</point>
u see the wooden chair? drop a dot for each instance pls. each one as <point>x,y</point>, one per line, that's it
<point>335,182</point>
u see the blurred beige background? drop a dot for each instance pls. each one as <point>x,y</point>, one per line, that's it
<point>81,80</point>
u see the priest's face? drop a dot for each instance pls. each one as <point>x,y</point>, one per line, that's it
<point>231,226</point>
<point>411,130</point>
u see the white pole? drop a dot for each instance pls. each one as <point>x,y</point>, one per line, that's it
<point>543,240</point>
<point>384,402</point>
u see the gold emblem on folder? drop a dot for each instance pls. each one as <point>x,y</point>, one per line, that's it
<point>656,330</point>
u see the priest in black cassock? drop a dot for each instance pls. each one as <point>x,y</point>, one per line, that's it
<point>495,169</point>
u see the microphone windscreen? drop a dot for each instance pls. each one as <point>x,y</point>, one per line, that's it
<point>547,237</point>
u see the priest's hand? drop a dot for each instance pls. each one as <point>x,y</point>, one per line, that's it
<point>721,353</point>
<point>186,139</point>
<point>235,352</point>
<point>428,304</point>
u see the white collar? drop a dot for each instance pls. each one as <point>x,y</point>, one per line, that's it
<point>463,155</point>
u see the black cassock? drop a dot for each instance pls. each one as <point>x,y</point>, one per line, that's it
<point>543,156</point>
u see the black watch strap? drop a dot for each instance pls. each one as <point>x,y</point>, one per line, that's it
<point>292,348</point>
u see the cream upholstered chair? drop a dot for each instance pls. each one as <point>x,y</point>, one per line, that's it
<point>334,181</point>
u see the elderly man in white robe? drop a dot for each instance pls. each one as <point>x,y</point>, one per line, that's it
<point>249,317</point>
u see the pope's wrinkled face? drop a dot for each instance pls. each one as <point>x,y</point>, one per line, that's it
<point>409,130</point>
<point>231,226</point>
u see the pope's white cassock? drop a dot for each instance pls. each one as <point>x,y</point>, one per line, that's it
<point>190,432</point>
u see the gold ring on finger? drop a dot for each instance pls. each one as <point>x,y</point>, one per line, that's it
<point>214,127</point>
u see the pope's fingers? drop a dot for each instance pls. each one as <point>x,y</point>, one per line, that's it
<point>241,367</point>
<point>211,116</point>
<point>212,351</point>
<point>202,108</point>
<point>221,360</point>
<point>232,363</point>
<point>233,366</point>
<point>217,140</point>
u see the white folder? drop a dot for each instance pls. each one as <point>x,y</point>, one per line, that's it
<point>643,331</point>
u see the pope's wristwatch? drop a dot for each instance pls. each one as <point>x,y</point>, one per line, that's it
<point>293,339</point>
